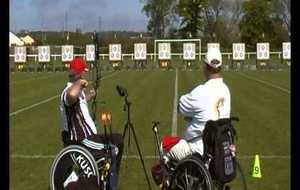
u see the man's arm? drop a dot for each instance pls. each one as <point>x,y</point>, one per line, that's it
<point>74,91</point>
<point>188,104</point>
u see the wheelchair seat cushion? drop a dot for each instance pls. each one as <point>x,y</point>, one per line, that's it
<point>168,142</point>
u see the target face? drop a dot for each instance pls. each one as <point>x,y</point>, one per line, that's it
<point>213,45</point>
<point>140,51</point>
<point>286,50</point>
<point>67,53</point>
<point>238,51</point>
<point>20,54</point>
<point>262,50</point>
<point>115,52</point>
<point>189,51</point>
<point>90,52</point>
<point>164,51</point>
<point>44,53</point>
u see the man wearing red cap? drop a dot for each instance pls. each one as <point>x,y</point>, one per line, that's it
<point>77,124</point>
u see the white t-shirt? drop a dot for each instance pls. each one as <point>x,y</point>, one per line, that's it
<point>208,101</point>
<point>76,119</point>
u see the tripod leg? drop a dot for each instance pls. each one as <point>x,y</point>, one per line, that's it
<point>125,149</point>
<point>140,155</point>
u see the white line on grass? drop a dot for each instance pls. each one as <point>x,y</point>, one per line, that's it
<point>266,83</point>
<point>49,99</point>
<point>33,105</point>
<point>174,118</point>
<point>244,157</point>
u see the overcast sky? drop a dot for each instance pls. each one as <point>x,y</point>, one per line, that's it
<point>50,15</point>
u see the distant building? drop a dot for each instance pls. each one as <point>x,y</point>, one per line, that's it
<point>14,40</point>
<point>27,40</point>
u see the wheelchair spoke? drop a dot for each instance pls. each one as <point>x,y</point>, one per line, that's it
<point>191,175</point>
<point>188,186</point>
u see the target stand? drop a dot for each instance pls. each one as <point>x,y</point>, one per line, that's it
<point>263,56</point>
<point>20,58</point>
<point>90,55</point>
<point>286,54</point>
<point>189,55</point>
<point>164,56</point>
<point>238,56</point>
<point>44,59</point>
<point>115,56</point>
<point>19,67</point>
<point>67,53</point>
<point>140,56</point>
<point>164,64</point>
<point>189,64</point>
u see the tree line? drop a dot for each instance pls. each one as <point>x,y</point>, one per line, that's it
<point>223,21</point>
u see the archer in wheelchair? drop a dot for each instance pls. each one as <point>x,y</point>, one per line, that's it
<point>88,158</point>
<point>206,152</point>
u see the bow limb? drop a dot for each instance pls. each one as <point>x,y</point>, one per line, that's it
<point>97,77</point>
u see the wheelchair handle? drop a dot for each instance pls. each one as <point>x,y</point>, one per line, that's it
<point>155,125</point>
<point>155,130</point>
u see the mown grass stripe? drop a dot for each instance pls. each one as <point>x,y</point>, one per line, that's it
<point>265,82</point>
<point>31,79</point>
<point>48,100</point>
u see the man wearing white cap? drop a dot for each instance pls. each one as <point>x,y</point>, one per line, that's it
<point>208,101</point>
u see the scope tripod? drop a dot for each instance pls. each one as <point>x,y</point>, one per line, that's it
<point>128,127</point>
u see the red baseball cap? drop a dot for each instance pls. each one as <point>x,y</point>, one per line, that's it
<point>78,66</point>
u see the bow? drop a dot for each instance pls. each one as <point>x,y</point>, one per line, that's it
<point>96,82</point>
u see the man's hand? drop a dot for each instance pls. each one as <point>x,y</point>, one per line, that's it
<point>187,119</point>
<point>83,83</point>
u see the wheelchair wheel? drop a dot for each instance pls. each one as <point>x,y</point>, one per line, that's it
<point>191,174</point>
<point>72,158</point>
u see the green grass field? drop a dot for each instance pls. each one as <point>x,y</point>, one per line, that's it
<point>261,99</point>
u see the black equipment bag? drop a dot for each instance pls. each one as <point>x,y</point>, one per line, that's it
<point>217,137</point>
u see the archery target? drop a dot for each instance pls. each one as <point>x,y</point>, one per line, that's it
<point>164,51</point>
<point>140,51</point>
<point>20,54</point>
<point>213,45</point>
<point>262,50</point>
<point>115,53</point>
<point>90,52</point>
<point>67,53</point>
<point>286,50</point>
<point>189,51</point>
<point>44,53</point>
<point>238,51</point>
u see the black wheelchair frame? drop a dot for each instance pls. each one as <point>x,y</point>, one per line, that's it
<point>190,173</point>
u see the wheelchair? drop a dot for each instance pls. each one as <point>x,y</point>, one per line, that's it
<point>74,162</point>
<point>191,173</point>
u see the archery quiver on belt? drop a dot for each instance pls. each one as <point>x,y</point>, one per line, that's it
<point>218,138</point>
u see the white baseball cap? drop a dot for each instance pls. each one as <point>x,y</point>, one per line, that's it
<point>213,57</point>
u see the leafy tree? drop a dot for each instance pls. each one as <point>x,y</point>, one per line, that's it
<point>191,13</point>
<point>282,10</point>
<point>159,14</point>
<point>221,21</point>
<point>256,24</point>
